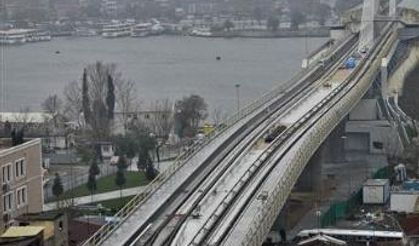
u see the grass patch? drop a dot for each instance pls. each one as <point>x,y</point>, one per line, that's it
<point>106,184</point>
<point>114,205</point>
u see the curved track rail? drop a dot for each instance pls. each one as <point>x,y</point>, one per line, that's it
<point>214,175</point>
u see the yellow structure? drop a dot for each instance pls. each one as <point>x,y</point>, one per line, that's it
<point>207,129</point>
<point>22,231</point>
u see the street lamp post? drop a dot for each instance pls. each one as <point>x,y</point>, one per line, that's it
<point>238,96</point>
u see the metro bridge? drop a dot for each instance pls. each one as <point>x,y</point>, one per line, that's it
<point>230,188</point>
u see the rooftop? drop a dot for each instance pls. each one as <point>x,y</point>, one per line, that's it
<point>22,231</point>
<point>376,182</point>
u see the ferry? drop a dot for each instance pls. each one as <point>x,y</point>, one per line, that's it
<point>117,30</point>
<point>21,36</point>
<point>201,32</point>
<point>85,32</point>
<point>142,30</point>
<point>13,36</point>
<point>35,35</point>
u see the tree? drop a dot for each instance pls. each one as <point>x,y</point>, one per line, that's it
<point>86,99</point>
<point>297,18</point>
<point>91,184</point>
<point>126,145</point>
<point>110,98</point>
<point>120,179</point>
<point>94,168</point>
<point>98,86</point>
<point>52,104</point>
<point>162,121</point>
<point>272,23</point>
<point>73,102</point>
<point>228,25</point>
<point>190,111</point>
<point>57,187</point>
<point>17,136</point>
<point>150,172</point>
<point>126,99</point>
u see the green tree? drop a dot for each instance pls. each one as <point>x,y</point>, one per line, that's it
<point>86,99</point>
<point>297,18</point>
<point>94,168</point>
<point>272,23</point>
<point>110,98</point>
<point>150,172</point>
<point>91,184</point>
<point>57,187</point>
<point>190,111</point>
<point>228,25</point>
<point>120,179</point>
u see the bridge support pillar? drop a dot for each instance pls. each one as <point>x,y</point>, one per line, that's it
<point>384,77</point>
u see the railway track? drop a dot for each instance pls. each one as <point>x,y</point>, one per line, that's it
<point>304,125</point>
<point>165,230</point>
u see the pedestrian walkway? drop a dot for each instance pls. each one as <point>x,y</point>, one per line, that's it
<point>98,197</point>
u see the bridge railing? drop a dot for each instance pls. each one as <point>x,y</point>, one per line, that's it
<point>104,232</point>
<point>269,210</point>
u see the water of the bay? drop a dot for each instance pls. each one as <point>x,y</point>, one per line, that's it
<point>162,67</point>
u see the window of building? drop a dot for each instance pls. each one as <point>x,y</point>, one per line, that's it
<point>8,202</point>
<point>21,196</point>
<point>7,173</point>
<point>20,168</point>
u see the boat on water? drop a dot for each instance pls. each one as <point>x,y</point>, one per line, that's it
<point>85,32</point>
<point>116,30</point>
<point>201,32</point>
<point>35,35</point>
<point>22,36</point>
<point>142,30</point>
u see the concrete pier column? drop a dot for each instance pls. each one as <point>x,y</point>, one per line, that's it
<point>384,77</point>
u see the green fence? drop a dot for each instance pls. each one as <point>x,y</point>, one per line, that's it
<point>342,209</point>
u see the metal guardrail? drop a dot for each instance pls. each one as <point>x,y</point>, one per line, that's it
<point>246,176</point>
<point>131,206</point>
<point>104,232</point>
<point>276,199</point>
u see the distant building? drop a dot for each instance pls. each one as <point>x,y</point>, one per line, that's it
<point>21,175</point>
<point>49,127</point>
<point>111,8</point>
<point>66,8</point>
<point>410,11</point>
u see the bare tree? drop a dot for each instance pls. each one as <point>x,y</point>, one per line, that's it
<point>96,79</point>
<point>73,102</point>
<point>162,120</point>
<point>126,99</point>
<point>52,104</point>
<point>217,116</point>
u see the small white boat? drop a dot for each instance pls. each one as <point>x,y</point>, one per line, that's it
<point>201,32</point>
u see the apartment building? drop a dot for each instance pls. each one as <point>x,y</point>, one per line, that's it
<point>21,175</point>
